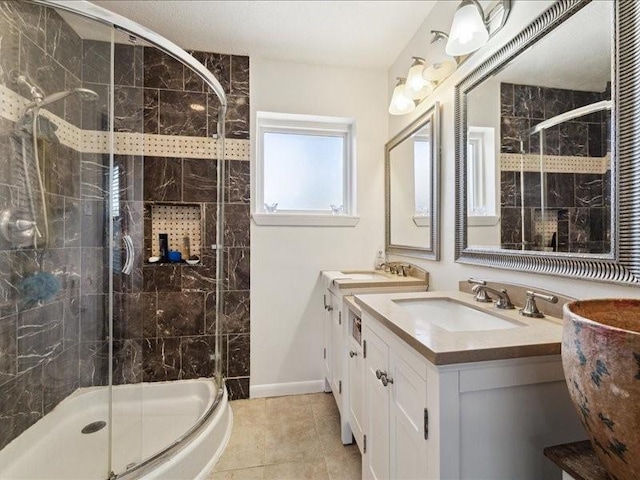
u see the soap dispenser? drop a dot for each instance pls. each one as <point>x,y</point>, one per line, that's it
<point>380,261</point>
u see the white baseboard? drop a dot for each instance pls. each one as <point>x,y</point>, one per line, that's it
<point>280,389</point>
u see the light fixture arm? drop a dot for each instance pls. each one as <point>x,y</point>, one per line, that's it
<point>437,35</point>
<point>501,6</point>
<point>495,10</point>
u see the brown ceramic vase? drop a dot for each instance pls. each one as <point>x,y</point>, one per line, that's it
<point>601,360</point>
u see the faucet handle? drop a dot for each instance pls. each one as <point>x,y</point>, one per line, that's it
<point>481,294</point>
<point>405,268</point>
<point>530,308</point>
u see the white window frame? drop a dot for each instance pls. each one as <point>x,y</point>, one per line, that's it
<point>481,177</point>
<point>269,122</point>
<point>420,218</point>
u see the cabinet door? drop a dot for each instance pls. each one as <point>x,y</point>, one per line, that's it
<point>356,390</point>
<point>408,397</point>
<point>376,457</point>
<point>326,341</point>
<point>337,350</point>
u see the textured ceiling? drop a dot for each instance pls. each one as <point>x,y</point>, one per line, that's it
<point>354,33</point>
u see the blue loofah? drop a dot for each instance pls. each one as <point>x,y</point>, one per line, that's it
<point>38,287</point>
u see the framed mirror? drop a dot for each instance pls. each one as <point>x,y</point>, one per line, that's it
<point>412,188</point>
<point>547,178</point>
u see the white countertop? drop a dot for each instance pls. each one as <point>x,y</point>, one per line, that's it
<point>534,336</point>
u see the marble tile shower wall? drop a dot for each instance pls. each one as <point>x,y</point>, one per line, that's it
<point>48,349</point>
<point>165,314</point>
<point>582,200</point>
<point>39,340</point>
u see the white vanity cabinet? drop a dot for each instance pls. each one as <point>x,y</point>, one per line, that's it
<point>337,350</point>
<point>326,339</point>
<point>396,397</point>
<point>356,375</point>
<point>469,420</point>
<point>337,329</point>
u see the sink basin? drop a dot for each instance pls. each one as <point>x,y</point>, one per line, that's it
<point>453,316</point>
<point>601,361</point>
<point>363,276</point>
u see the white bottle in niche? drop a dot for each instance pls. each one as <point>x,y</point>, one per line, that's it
<point>380,261</point>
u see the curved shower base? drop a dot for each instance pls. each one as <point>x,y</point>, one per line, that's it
<point>56,448</point>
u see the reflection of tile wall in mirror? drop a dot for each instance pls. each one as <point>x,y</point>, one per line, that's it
<point>566,69</point>
<point>580,194</point>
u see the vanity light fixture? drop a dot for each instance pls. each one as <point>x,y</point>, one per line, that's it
<point>471,28</point>
<point>401,103</point>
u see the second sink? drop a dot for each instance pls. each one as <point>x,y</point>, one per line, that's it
<point>453,316</point>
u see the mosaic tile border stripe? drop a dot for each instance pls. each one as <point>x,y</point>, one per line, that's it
<point>511,162</point>
<point>12,106</point>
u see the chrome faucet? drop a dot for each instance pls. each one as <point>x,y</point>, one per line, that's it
<point>503,301</point>
<point>481,295</point>
<point>530,308</point>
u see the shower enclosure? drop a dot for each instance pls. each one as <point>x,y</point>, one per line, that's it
<point>549,222</point>
<point>110,137</point>
<point>555,169</point>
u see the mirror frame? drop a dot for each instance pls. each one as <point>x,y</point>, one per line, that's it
<point>622,264</point>
<point>433,251</point>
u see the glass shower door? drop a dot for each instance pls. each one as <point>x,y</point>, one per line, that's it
<point>54,400</point>
<point>131,306</point>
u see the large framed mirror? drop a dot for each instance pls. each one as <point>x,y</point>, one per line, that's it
<point>547,177</point>
<point>412,188</point>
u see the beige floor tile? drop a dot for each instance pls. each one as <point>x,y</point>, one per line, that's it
<point>246,448</point>
<point>291,425</point>
<point>316,397</point>
<point>283,409</point>
<point>280,403</point>
<point>254,473</point>
<point>292,441</point>
<point>328,425</point>
<point>287,438</point>
<point>324,405</point>
<point>249,412</point>
<point>331,444</point>
<point>306,470</point>
<point>347,466</point>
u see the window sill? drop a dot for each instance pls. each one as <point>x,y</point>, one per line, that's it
<point>422,220</point>
<point>302,220</point>
<point>483,220</point>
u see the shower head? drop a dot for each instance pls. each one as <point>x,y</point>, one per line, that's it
<point>84,93</point>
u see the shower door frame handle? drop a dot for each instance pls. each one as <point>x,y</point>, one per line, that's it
<point>130,254</point>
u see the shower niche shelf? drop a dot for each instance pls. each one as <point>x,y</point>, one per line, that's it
<point>180,222</point>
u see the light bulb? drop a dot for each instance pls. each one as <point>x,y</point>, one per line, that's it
<point>468,30</point>
<point>417,87</point>
<point>438,71</point>
<point>400,102</point>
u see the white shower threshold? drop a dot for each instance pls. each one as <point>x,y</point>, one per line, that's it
<point>147,418</point>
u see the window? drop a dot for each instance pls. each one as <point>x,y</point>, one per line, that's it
<point>304,170</point>
<point>422,176</point>
<point>481,176</point>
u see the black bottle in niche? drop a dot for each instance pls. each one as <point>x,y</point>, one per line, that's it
<point>163,241</point>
